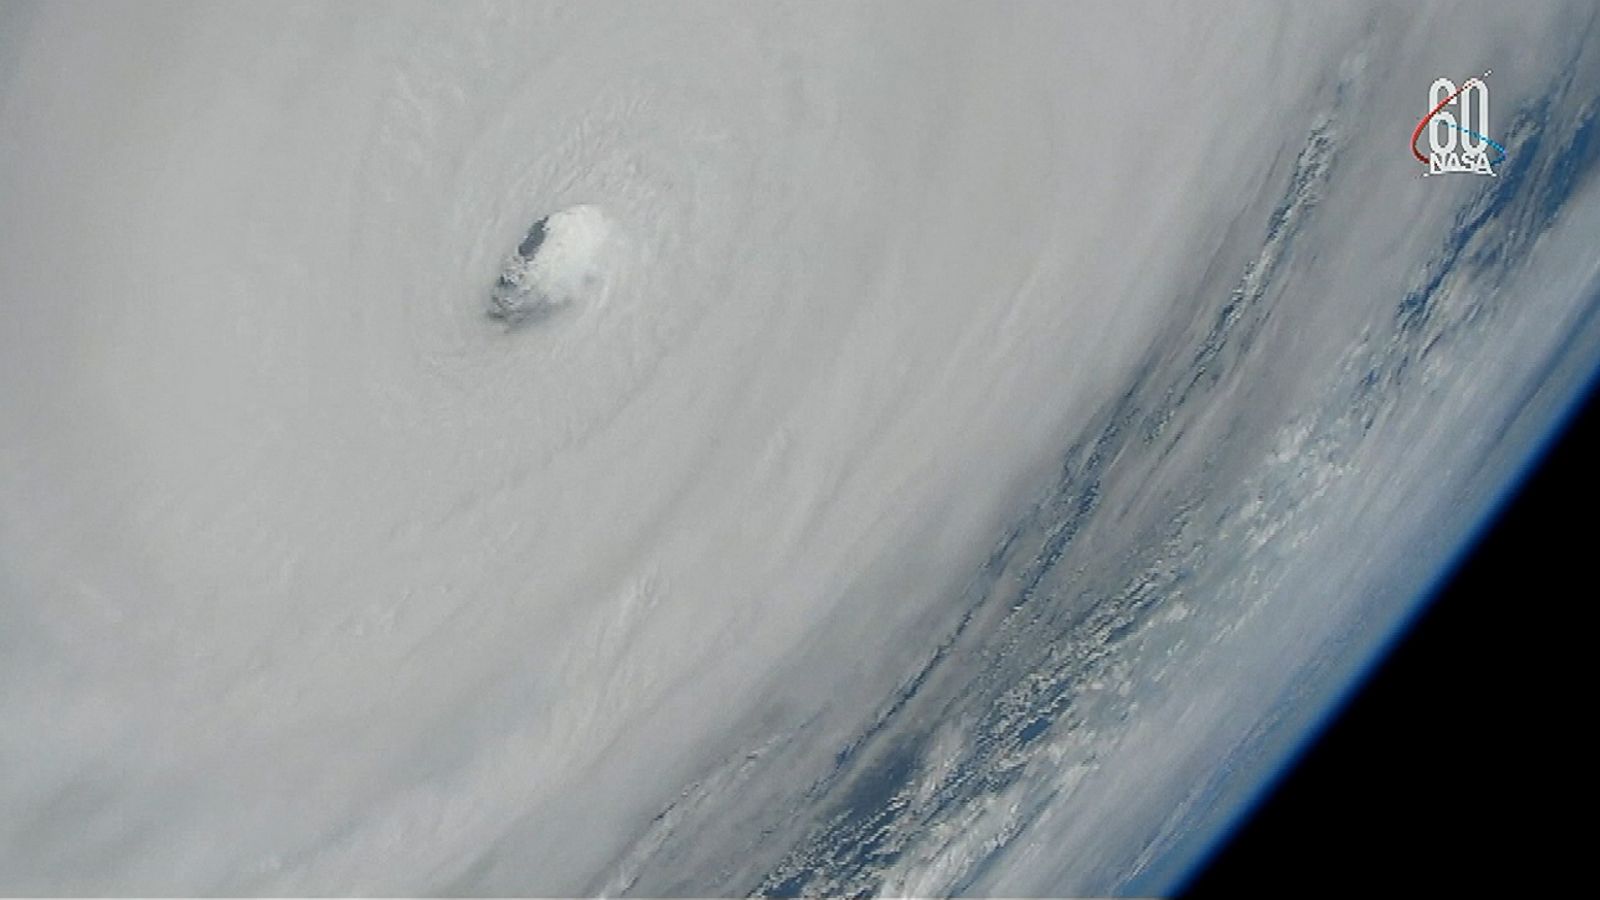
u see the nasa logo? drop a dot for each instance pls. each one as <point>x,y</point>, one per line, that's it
<point>1457,124</point>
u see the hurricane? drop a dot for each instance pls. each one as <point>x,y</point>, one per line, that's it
<point>711,449</point>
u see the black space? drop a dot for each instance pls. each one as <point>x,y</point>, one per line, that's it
<point>1448,770</point>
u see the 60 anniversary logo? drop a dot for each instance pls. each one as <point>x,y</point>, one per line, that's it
<point>1465,126</point>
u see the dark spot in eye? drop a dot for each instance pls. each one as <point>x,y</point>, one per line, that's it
<point>530,244</point>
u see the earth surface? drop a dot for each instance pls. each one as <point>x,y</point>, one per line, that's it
<point>982,442</point>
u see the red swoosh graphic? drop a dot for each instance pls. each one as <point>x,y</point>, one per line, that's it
<point>1417,132</point>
